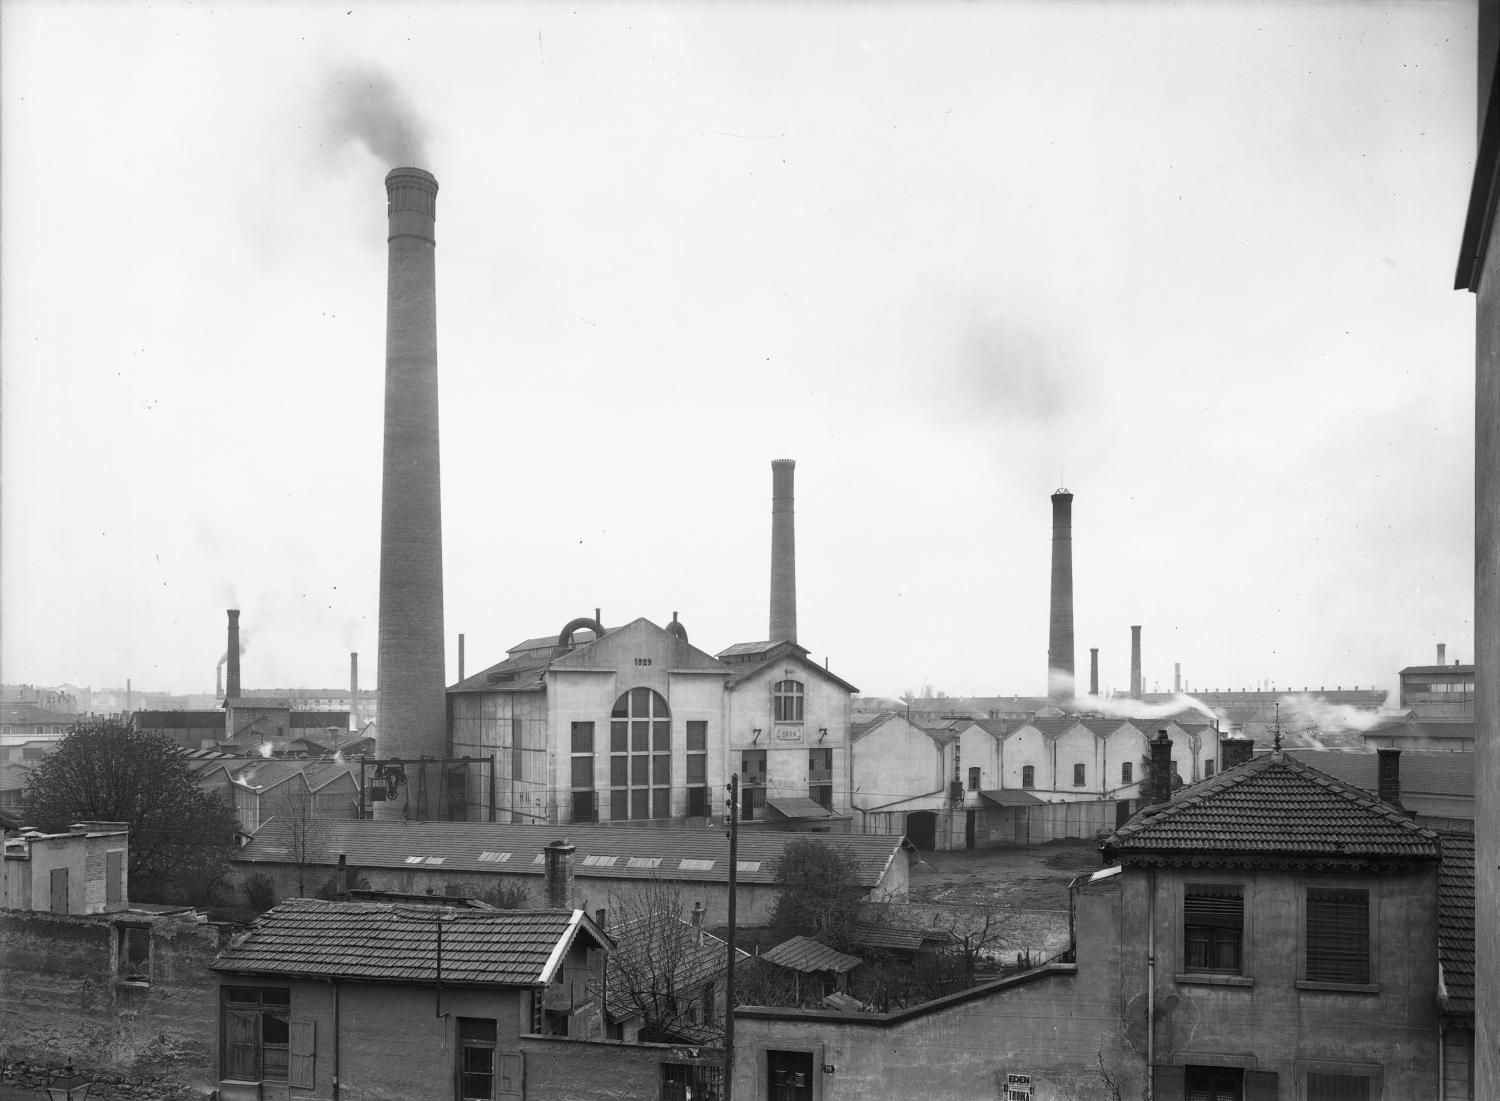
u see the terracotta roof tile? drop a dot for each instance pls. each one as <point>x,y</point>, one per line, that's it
<point>398,942</point>
<point>1274,804</point>
<point>1456,922</point>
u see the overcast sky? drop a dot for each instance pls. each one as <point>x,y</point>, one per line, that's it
<point>1191,260</point>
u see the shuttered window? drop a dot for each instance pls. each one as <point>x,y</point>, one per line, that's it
<point>1213,920</point>
<point>1338,935</point>
<point>261,1041</point>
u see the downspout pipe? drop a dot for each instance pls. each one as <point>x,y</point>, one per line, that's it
<point>334,987</point>
<point>1151,992</point>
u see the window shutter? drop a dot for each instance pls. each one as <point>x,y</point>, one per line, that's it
<point>1222,907</point>
<point>1338,936</point>
<point>1169,1083</point>
<point>510,1067</point>
<point>1260,1085</point>
<point>300,1074</point>
<point>241,1045</point>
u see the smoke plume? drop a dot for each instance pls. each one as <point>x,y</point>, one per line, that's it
<point>366,106</point>
<point>1127,708</point>
<point>1329,718</point>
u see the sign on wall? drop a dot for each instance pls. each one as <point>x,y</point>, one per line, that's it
<point>1018,1087</point>
<point>788,733</point>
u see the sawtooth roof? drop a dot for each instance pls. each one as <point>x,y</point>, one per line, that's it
<point>397,942</point>
<point>1456,923</point>
<point>1274,805</point>
<point>608,852</point>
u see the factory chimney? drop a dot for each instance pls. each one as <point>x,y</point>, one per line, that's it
<point>1093,670</point>
<point>1177,676</point>
<point>410,666</point>
<point>353,690</point>
<point>1135,663</point>
<point>218,682</point>
<point>232,657</point>
<point>783,553</point>
<point>1060,637</point>
<point>1442,653</point>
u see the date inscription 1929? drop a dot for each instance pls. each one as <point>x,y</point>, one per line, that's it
<point>643,661</point>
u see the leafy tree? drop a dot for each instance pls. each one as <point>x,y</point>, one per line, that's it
<point>820,892</point>
<point>181,836</point>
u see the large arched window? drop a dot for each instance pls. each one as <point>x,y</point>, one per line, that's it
<point>640,756</point>
<point>787,695</point>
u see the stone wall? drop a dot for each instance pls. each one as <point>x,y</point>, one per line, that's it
<point>62,998</point>
<point>605,1070</point>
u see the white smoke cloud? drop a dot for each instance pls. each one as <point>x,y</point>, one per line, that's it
<point>1329,718</point>
<point>366,106</point>
<point>1127,708</point>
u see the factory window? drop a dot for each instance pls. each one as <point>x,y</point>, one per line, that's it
<point>752,803</point>
<point>1213,921</point>
<point>753,768</point>
<point>820,766</point>
<point>1127,772</point>
<point>1338,936</point>
<point>974,779</point>
<point>1208,769</point>
<point>1028,776</point>
<point>476,1059</point>
<point>584,809</point>
<point>640,763</point>
<point>787,695</point>
<point>1078,779</point>
<point>583,737</point>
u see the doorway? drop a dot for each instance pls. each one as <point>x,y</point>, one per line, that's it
<point>789,1075</point>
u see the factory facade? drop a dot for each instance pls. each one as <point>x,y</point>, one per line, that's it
<point>635,724</point>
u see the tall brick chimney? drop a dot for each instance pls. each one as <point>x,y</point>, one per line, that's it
<point>1093,670</point>
<point>559,874</point>
<point>1135,663</point>
<point>410,667</point>
<point>1388,777</point>
<point>1158,787</point>
<point>783,553</point>
<point>354,690</point>
<point>1442,657</point>
<point>1060,634</point>
<point>232,657</point>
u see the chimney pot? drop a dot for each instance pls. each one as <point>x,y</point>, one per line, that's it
<point>559,874</point>
<point>1234,752</point>
<point>1159,789</point>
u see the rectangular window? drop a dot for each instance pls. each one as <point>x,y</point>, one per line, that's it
<point>619,737</point>
<point>697,735</point>
<point>1127,772</point>
<point>1322,1086</point>
<point>752,803</point>
<point>697,768</point>
<point>1338,935</point>
<point>661,769</point>
<point>1213,921</point>
<point>619,805</point>
<point>821,794</point>
<point>640,802</point>
<point>1028,776</point>
<point>1078,776</point>
<point>257,1024</point>
<point>661,802</point>
<point>697,802</point>
<point>583,771</point>
<point>661,735</point>
<point>476,1059</point>
<point>820,766</point>
<point>114,876</point>
<point>639,771</point>
<point>1208,769</point>
<point>688,1081</point>
<point>1213,1083</point>
<point>583,807</point>
<point>134,947</point>
<point>619,771</point>
<point>583,737</point>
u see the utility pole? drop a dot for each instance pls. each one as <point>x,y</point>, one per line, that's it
<point>733,833</point>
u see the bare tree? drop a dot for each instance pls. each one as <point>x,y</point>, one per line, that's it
<point>665,970</point>
<point>307,836</point>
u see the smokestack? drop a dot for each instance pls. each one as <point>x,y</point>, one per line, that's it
<point>1388,777</point>
<point>232,679</point>
<point>1093,670</point>
<point>218,682</point>
<point>1158,787</point>
<point>1135,663</point>
<point>559,874</point>
<point>1442,653</point>
<point>353,690</point>
<point>410,667</point>
<point>460,656</point>
<point>1060,637</point>
<point>783,553</point>
<point>1177,676</point>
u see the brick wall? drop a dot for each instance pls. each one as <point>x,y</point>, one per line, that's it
<point>603,1070</point>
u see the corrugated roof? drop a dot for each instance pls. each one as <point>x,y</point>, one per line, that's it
<point>1274,804</point>
<point>807,955</point>
<point>701,855</point>
<point>398,942</point>
<point>799,806</point>
<point>1456,923</point>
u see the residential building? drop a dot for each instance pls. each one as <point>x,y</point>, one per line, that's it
<point>1270,932</point>
<point>665,979</point>
<point>474,858</point>
<point>83,870</point>
<point>393,1000</point>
